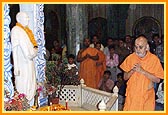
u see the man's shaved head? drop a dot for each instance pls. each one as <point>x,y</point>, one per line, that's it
<point>141,46</point>
<point>141,39</point>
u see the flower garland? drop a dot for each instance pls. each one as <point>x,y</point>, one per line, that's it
<point>29,33</point>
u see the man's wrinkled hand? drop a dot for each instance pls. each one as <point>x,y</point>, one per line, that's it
<point>138,68</point>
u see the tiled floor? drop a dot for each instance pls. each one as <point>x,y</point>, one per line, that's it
<point>77,109</point>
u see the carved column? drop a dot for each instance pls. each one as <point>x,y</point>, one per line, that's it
<point>130,19</point>
<point>122,16</point>
<point>112,25</point>
<point>77,26</point>
<point>116,16</point>
<point>8,85</point>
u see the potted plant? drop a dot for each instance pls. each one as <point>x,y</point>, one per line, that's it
<point>58,75</point>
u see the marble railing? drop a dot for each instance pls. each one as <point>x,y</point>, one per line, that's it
<point>86,98</point>
<point>89,99</point>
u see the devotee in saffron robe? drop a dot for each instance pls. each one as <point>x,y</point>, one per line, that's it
<point>142,69</point>
<point>24,50</point>
<point>101,63</point>
<point>87,58</point>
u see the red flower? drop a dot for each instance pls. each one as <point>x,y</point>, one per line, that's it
<point>12,101</point>
<point>50,89</point>
<point>39,89</point>
<point>21,96</point>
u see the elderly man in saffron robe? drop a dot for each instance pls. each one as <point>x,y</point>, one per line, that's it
<point>142,69</point>
<point>87,58</point>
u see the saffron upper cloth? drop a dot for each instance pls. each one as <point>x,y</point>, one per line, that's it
<point>87,69</point>
<point>140,96</point>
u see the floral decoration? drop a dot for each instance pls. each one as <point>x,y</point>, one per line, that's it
<point>17,103</point>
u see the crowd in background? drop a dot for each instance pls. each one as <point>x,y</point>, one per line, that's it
<point>100,67</point>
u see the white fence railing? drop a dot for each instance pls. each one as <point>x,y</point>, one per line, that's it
<point>89,98</point>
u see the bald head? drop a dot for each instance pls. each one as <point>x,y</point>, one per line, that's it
<point>141,46</point>
<point>141,40</point>
<point>22,18</point>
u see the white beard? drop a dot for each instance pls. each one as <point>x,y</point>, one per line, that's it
<point>140,55</point>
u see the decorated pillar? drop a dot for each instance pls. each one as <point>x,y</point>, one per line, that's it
<point>8,85</point>
<point>40,59</point>
<point>76,26</point>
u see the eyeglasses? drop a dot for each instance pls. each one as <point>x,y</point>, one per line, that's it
<point>140,47</point>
